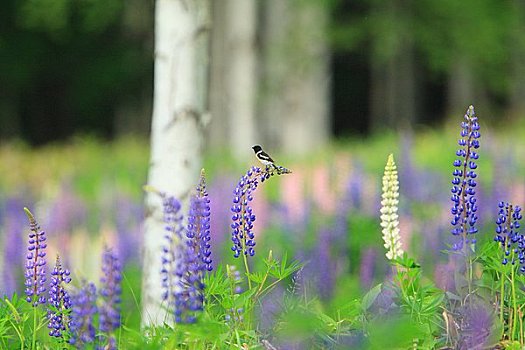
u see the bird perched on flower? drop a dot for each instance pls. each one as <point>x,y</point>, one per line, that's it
<point>262,156</point>
<point>268,162</point>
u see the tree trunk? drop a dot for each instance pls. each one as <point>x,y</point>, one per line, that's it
<point>179,116</point>
<point>217,135</point>
<point>241,85</point>
<point>461,88</point>
<point>295,110</point>
<point>234,78</point>
<point>393,100</point>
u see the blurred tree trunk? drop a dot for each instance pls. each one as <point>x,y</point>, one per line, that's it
<point>393,83</point>
<point>217,135</point>
<point>460,91</point>
<point>233,77</point>
<point>179,110</point>
<point>294,105</point>
<point>464,89</point>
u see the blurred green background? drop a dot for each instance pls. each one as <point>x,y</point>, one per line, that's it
<point>86,67</point>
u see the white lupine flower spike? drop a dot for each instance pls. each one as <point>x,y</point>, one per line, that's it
<point>389,217</point>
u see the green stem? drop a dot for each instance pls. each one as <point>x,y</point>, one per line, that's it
<point>502,302</point>
<point>33,343</point>
<point>521,327</point>
<point>514,306</point>
<point>468,263</point>
<point>16,326</point>
<point>261,285</point>
<point>247,268</point>
<point>268,288</point>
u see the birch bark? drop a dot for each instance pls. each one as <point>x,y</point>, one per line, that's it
<point>177,134</point>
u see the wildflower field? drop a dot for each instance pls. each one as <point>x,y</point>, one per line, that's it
<point>408,241</point>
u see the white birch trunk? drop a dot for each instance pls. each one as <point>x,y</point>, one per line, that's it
<point>179,110</point>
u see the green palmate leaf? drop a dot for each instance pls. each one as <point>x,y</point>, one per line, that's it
<point>17,315</point>
<point>257,277</point>
<point>282,270</point>
<point>370,297</point>
<point>432,303</point>
<point>216,282</point>
<point>406,261</point>
<point>351,310</point>
<point>5,327</point>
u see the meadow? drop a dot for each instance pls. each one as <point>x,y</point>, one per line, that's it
<point>346,257</point>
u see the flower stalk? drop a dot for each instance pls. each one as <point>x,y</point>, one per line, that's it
<point>389,216</point>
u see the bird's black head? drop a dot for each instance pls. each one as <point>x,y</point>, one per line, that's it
<point>256,148</point>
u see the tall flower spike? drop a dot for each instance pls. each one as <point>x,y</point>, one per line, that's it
<point>83,311</point>
<point>59,301</point>
<point>198,232</point>
<point>243,237</point>
<point>243,218</point>
<point>110,291</point>
<point>507,234</point>
<point>463,190</point>
<point>389,217</point>
<point>171,255</point>
<point>35,273</point>
<point>189,297</point>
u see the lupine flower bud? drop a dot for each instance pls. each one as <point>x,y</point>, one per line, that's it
<point>198,232</point>
<point>508,235</point>
<point>243,237</point>
<point>171,255</point>
<point>243,218</point>
<point>35,273</point>
<point>83,310</point>
<point>59,301</point>
<point>464,206</point>
<point>110,292</point>
<point>389,217</point>
<point>196,259</point>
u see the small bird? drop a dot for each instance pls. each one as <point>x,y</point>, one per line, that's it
<point>263,157</point>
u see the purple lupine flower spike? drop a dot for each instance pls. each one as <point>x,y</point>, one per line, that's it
<point>464,206</point>
<point>198,231</point>
<point>83,311</point>
<point>36,263</point>
<point>243,237</point>
<point>110,292</point>
<point>59,300</point>
<point>508,235</point>
<point>196,259</point>
<point>171,256</point>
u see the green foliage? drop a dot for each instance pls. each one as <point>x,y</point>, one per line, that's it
<point>503,282</point>
<point>71,57</point>
<point>479,34</point>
